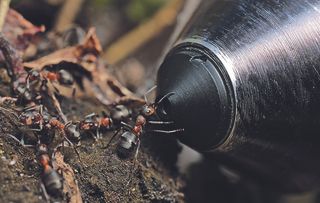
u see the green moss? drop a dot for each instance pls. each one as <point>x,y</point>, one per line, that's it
<point>99,3</point>
<point>140,10</point>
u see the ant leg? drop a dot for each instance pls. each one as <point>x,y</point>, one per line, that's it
<point>44,192</point>
<point>28,80</point>
<point>137,151</point>
<point>98,131</point>
<point>161,122</point>
<point>135,161</point>
<point>164,97</point>
<point>72,145</point>
<point>167,132</point>
<point>126,125</point>
<point>9,100</point>
<point>74,91</point>
<point>21,142</point>
<point>114,135</point>
<point>30,108</point>
<point>34,129</point>
<point>56,90</point>
<point>98,134</point>
<point>148,92</point>
<point>41,113</point>
<point>58,108</point>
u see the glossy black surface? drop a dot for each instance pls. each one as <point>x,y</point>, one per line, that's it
<point>269,54</point>
<point>207,108</point>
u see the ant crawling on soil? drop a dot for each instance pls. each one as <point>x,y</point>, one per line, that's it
<point>47,127</point>
<point>129,142</point>
<point>34,88</point>
<point>93,122</point>
<point>51,179</point>
<point>130,138</point>
<point>40,120</point>
<point>61,77</point>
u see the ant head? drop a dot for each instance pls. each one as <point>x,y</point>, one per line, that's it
<point>34,75</point>
<point>148,110</point>
<point>42,149</point>
<point>141,120</point>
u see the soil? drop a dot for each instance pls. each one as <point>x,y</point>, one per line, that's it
<point>101,175</point>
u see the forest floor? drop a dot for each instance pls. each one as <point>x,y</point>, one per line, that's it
<point>101,175</point>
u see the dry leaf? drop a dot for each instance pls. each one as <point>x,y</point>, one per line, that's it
<point>83,62</point>
<point>86,52</point>
<point>19,31</point>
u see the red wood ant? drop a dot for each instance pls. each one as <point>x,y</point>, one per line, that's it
<point>97,124</point>
<point>50,177</point>
<point>93,122</point>
<point>61,77</point>
<point>130,138</point>
<point>41,121</point>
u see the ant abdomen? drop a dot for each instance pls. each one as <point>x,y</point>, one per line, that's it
<point>73,132</point>
<point>120,113</point>
<point>127,145</point>
<point>52,182</point>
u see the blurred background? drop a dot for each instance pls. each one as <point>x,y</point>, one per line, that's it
<point>135,35</point>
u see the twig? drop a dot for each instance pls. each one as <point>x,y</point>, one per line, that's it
<point>143,33</point>
<point>4,7</point>
<point>70,183</point>
<point>189,8</point>
<point>67,14</point>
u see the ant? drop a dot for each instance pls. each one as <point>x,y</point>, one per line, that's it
<point>50,177</point>
<point>70,129</point>
<point>129,141</point>
<point>93,122</point>
<point>40,120</point>
<point>130,138</point>
<point>35,88</point>
<point>61,77</point>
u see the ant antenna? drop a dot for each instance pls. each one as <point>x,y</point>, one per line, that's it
<point>28,80</point>
<point>168,132</point>
<point>126,125</point>
<point>148,92</point>
<point>165,97</point>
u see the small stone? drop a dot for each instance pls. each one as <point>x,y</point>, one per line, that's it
<point>12,162</point>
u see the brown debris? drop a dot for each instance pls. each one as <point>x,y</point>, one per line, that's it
<point>70,187</point>
<point>89,49</point>
<point>101,179</point>
<point>20,31</point>
<point>105,87</point>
